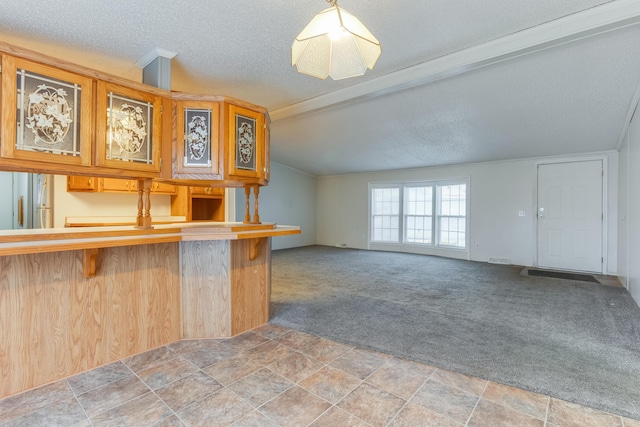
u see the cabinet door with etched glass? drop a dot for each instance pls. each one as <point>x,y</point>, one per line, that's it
<point>128,128</point>
<point>267,150</point>
<point>198,140</point>
<point>46,113</point>
<point>245,146</point>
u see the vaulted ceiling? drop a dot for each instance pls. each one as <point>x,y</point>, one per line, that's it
<point>457,82</point>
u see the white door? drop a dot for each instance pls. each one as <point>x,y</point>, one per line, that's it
<point>570,216</point>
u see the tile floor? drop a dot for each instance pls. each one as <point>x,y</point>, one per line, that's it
<point>279,377</point>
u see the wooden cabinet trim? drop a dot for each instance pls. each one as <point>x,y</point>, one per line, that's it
<point>8,149</point>
<point>72,67</point>
<point>195,172</point>
<point>92,160</point>
<point>163,188</point>
<point>82,184</point>
<point>103,89</point>
<point>114,185</point>
<point>230,131</point>
<point>210,191</point>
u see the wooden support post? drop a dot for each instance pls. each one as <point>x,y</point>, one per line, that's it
<point>143,219</point>
<point>247,210</point>
<point>256,214</point>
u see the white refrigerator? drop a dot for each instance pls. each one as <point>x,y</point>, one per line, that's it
<point>42,201</point>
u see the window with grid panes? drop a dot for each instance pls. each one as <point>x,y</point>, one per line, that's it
<point>432,213</point>
<point>385,214</point>
<point>418,214</point>
<point>452,215</point>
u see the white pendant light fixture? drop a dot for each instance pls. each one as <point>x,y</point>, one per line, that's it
<point>336,44</point>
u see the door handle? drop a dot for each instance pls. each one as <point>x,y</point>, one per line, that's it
<point>541,213</point>
<point>20,211</point>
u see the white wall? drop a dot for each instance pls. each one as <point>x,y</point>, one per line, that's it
<point>629,205</point>
<point>100,204</point>
<point>498,190</point>
<point>623,202</point>
<point>289,199</point>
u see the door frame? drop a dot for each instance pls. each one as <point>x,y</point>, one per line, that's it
<point>605,197</point>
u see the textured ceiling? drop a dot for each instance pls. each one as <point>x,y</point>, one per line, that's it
<point>568,98</point>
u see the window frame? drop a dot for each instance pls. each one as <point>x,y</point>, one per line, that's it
<point>405,215</point>
<point>371,214</point>
<point>435,247</point>
<point>439,215</point>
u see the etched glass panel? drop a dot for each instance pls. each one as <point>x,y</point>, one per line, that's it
<point>47,115</point>
<point>129,129</point>
<point>197,137</point>
<point>245,143</point>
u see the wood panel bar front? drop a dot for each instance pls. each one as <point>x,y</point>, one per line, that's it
<point>250,281</point>
<point>55,323</point>
<point>224,291</point>
<point>75,300</point>
<point>206,306</point>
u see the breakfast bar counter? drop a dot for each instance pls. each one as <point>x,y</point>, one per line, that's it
<point>74,299</point>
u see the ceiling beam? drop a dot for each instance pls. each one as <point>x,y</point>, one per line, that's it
<point>597,20</point>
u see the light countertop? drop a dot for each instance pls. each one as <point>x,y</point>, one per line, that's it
<point>13,242</point>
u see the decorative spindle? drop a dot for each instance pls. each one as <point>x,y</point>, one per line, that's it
<point>247,210</point>
<point>140,203</point>
<point>256,214</point>
<point>143,220</point>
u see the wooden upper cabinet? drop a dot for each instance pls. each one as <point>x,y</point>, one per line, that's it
<point>197,140</point>
<point>245,145</point>
<point>61,118</point>
<point>46,114</point>
<point>82,183</point>
<point>267,151</point>
<point>128,128</point>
